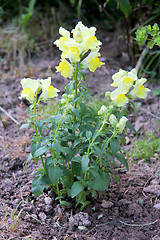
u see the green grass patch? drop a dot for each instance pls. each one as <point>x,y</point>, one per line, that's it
<point>145,148</point>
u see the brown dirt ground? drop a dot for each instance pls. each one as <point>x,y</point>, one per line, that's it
<point>129,209</point>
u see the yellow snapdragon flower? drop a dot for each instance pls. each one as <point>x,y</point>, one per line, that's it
<point>65,68</point>
<point>73,49</point>
<point>139,89</point>
<point>48,91</point>
<point>124,78</point>
<point>92,42</point>
<point>118,96</point>
<point>61,42</point>
<point>81,33</point>
<point>73,54</point>
<point>92,61</point>
<point>30,87</point>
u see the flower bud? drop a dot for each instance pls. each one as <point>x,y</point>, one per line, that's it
<point>121,124</point>
<point>103,110</point>
<point>113,119</point>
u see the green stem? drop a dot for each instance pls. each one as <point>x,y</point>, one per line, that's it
<point>58,191</point>
<point>76,81</point>
<point>34,111</point>
<point>59,124</point>
<point>42,162</point>
<point>72,172</point>
<point>90,144</point>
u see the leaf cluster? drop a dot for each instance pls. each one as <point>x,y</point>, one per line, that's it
<point>77,155</point>
<point>149,34</point>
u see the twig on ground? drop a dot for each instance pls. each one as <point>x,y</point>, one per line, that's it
<point>153,115</point>
<point>139,225</point>
<point>4,111</point>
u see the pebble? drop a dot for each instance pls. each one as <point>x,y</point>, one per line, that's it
<point>48,201</point>
<point>106,204</point>
<point>42,216</point>
<point>157,206</point>
<point>80,219</point>
<point>155,189</point>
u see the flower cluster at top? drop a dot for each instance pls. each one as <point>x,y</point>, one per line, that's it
<point>128,87</point>
<point>73,49</point>
<point>32,87</point>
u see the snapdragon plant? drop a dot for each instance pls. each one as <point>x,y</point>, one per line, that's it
<point>77,147</point>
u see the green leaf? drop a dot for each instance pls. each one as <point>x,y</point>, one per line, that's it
<point>125,7</point>
<point>48,162</point>
<point>96,134</point>
<point>39,125</point>
<point>34,147</point>
<point>156,92</point>
<point>75,143</point>
<point>97,151</point>
<point>28,159</point>
<point>131,127</point>
<point>64,204</point>
<point>75,112</point>
<point>77,159</point>
<point>55,174</point>
<point>88,134</point>
<point>39,183</point>
<point>40,151</point>
<point>77,168</point>
<point>115,145</point>
<point>24,126</point>
<point>84,163</point>
<point>110,158</point>
<point>25,19</point>
<point>67,150</point>
<point>57,145</point>
<point>151,44</point>
<point>82,107</point>
<point>122,159</point>
<point>77,187</point>
<point>67,181</point>
<point>100,180</point>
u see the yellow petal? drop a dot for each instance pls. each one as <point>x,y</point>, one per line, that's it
<point>121,100</point>
<point>94,64</point>
<point>64,68</point>
<point>52,92</point>
<point>28,93</point>
<point>92,42</point>
<point>142,92</point>
<point>128,81</point>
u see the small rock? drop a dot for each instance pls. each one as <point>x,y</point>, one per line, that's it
<point>80,219</point>
<point>134,210</point>
<point>48,201</point>
<point>155,189</point>
<point>154,182</point>
<point>81,228</point>
<point>123,201</point>
<point>42,216</point>
<point>48,209</point>
<point>157,206</point>
<point>106,204</point>
<point>156,237</point>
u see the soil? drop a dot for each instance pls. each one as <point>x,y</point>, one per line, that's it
<point>129,209</point>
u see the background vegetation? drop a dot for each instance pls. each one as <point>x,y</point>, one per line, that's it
<point>29,27</point>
